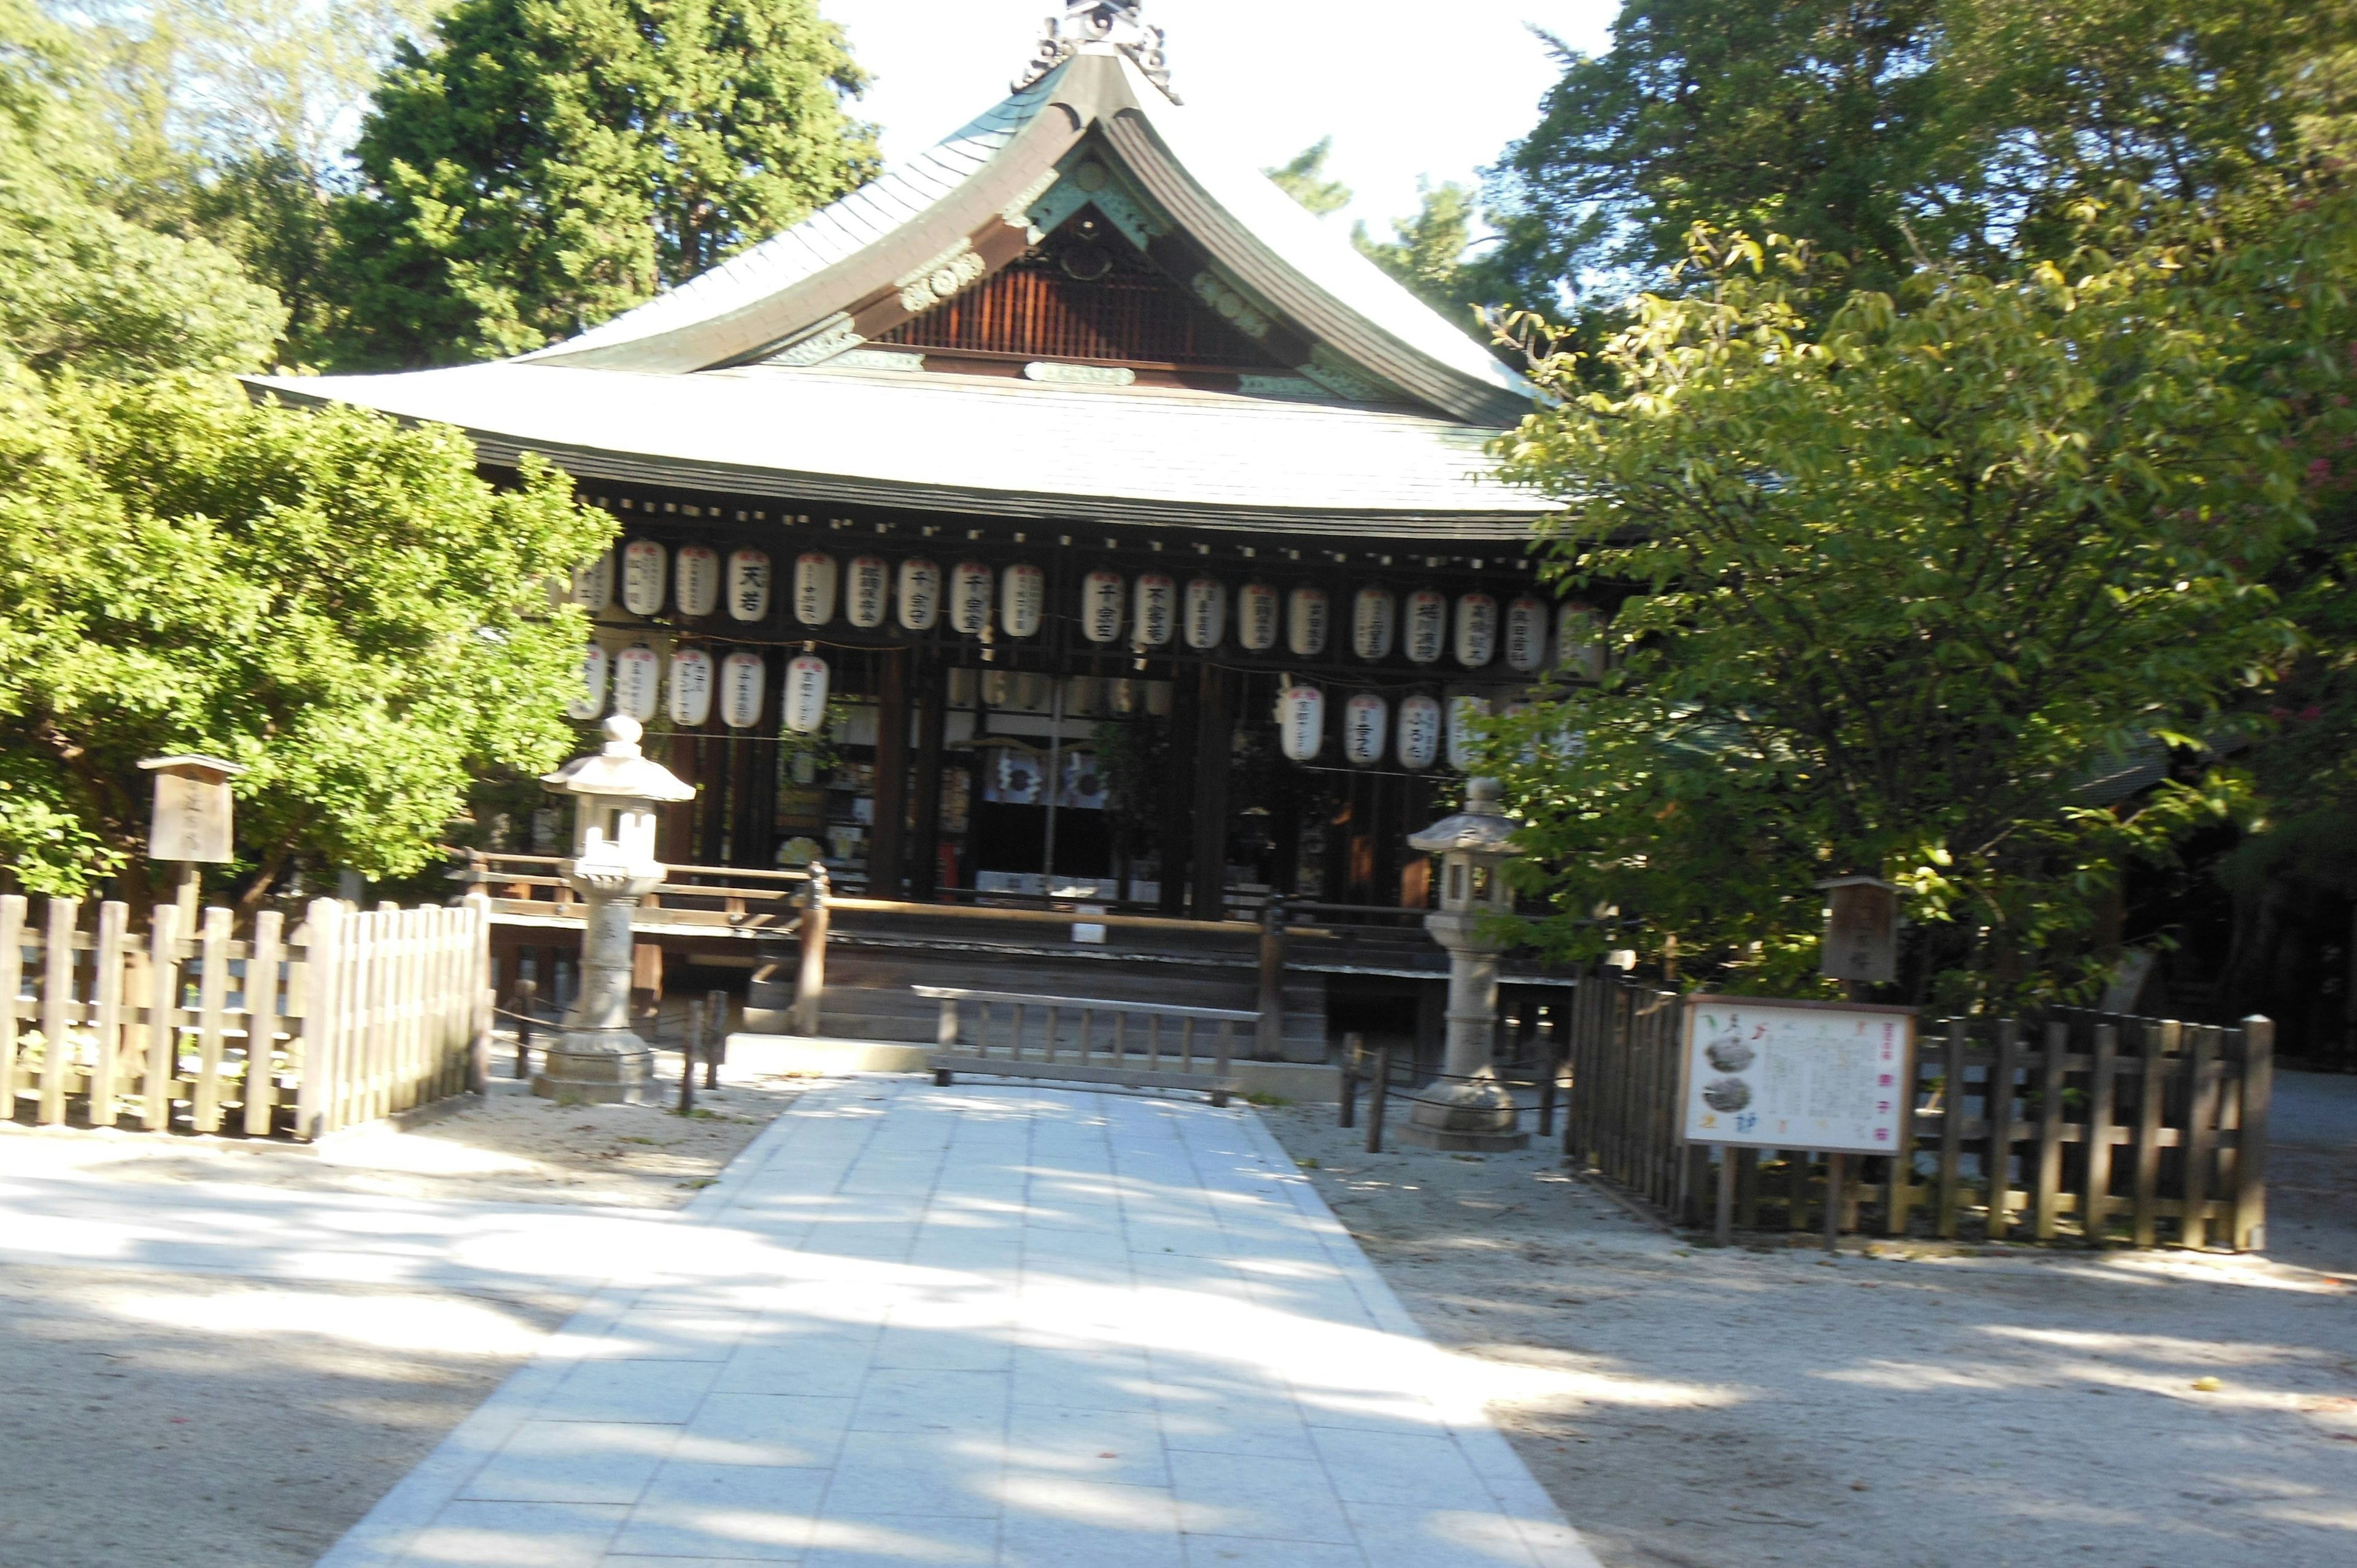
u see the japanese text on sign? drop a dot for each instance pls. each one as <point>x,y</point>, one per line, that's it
<point>1765,1073</point>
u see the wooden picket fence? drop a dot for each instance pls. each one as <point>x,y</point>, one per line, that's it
<point>2080,1125</point>
<point>349,1017</point>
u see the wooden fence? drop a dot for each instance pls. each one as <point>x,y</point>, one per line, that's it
<point>346,1018</point>
<point>2090,1126</point>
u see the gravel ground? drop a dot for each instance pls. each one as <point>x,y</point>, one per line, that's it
<point>176,1420</point>
<point>1920,1408</point>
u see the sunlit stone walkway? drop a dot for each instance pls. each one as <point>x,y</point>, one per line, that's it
<point>989,1326</point>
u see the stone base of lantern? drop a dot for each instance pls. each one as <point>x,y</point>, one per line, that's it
<point>603,1068</point>
<point>1474,1119</point>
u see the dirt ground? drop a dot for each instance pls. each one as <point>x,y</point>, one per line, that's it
<point>176,1420</point>
<point>1919,1408</point>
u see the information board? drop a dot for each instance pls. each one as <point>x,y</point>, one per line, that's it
<point>1761,1073</point>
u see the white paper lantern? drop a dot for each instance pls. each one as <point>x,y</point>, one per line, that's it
<point>1157,611</point>
<point>691,685</point>
<point>1579,639</point>
<point>748,585</point>
<point>1022,598</point>
<point>744,684</point>
<point>1427,626</point>
<point>866,591</point>
<point>638,681</point>
<point>1365,717</point>
<point>1305,622</point>
<point>593,585</point>
<point>1257,610</point>
<point>642,578</point>
<point>1418,745</point>
<point>970,598</point>
<point>1301,722</point>
<point>805,701</point>
<point>921,594</point>
<point>1101,605</point>
<point>1374,618</point>
<point>1207,613</point>
<point>695,579</point>
<point>1463,710</point>
<point>1477,629</point>
<point>590,701</point>
<point>814,581</point>
<point>1526,636</point>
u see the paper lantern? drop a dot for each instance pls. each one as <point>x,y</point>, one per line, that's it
<point>748,585</point>
<point>691,685</point>
<point>1418,744</point>
<point>815,580</point>
<point>1374,618</point>
<point>1301,722</point>
<point>590,701</point>
<point>1477,629</point>
<point>1464,711</point>
<point>970,598</point>
<point>1207,613</point>
<point>1305,622</point>
<point>638,681</point>
<point>744,684</point>
<point>1579,639</point>
<point>1157,611</point>
<point>1256,617</point>
<point>643,572</point>
<point>805,701</point>
<point>866,591</point>
<point>593,585</point>
<point>1526,635</point>
<point>695,579</point>
<point>1365,717</point>
<point>921,594</point>
<point>1022,597</point>
<point>1428,626</point>
<point>1101,605</point>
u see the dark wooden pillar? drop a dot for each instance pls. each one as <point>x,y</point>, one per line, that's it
<point>753,779</point>
<point>932,720</point>
<point>1178,827</point>
<point>887,847</point>
<point>1215,724</point>
<point>712,807</point>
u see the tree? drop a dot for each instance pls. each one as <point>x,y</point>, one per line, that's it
<point>542,167</point>
<point>1427,252</point>
<point>1905,570</point>
<point>1304,179</point>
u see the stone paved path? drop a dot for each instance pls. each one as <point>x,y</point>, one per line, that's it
<point>990,1326</point>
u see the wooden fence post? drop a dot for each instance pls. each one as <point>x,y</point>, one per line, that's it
<point>57,1007</point>
<point>316,1092</point>
<point>1375,1099</point>
<point>2199,1141</point>
<point>1268,1034</point>
<point>715,1044</point>
<point>163,1072</point>
<point>1952,1129</point>
<point>12,983</point>
<point>2251,1140</point>
<point>106,1010</point>
<point>2102,1094</point>
<point>1999,1098</point>
<point>809,984</point>
<point>262,1021</point>
<point>1354,1047</point>
<point>527,1006</point>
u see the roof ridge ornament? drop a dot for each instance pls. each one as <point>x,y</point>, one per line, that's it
<point>1118,22</point>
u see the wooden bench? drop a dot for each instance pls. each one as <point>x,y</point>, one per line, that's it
<point>1163,1052</point>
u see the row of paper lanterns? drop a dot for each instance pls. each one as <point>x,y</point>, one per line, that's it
<point>1415,735</point>
<point>695,684</point>
<point>1152,611</point>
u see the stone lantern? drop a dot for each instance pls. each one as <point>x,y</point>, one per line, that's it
<point>1469,1110</point>
<point>601,1058</point>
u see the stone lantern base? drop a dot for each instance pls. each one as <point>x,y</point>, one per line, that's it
<point>1478,1120</point>
<point>604,1067</point>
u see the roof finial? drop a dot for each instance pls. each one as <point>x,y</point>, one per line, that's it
<point>1119,22</point>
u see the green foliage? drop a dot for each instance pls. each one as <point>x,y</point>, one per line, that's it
<point>333,600</point>
<point>540,167</point>
<point>1304,179</point>
<point>1427,252</point>
<point>1906,569</point>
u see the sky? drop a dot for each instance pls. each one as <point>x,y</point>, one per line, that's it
<point>1409,89</point>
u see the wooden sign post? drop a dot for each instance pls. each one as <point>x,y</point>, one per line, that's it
<point>191,825</point>
<point>1861,930</point>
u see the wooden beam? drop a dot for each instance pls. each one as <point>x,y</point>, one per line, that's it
<point>1214,723</point>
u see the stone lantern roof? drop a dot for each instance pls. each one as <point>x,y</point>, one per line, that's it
<point>622,769</point>
<point>1478,827</point>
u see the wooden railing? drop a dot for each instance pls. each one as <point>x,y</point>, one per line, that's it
<point>346,1018</point>
<point>2093,1126</point>
<point>694,900</point>
<point>1143,1058</point>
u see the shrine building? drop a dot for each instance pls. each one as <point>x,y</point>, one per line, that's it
<point>1065,513</point>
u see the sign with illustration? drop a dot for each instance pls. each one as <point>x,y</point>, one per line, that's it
<point>1763,1072</point>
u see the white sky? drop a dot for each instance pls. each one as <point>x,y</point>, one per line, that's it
<point>1406,89</point>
